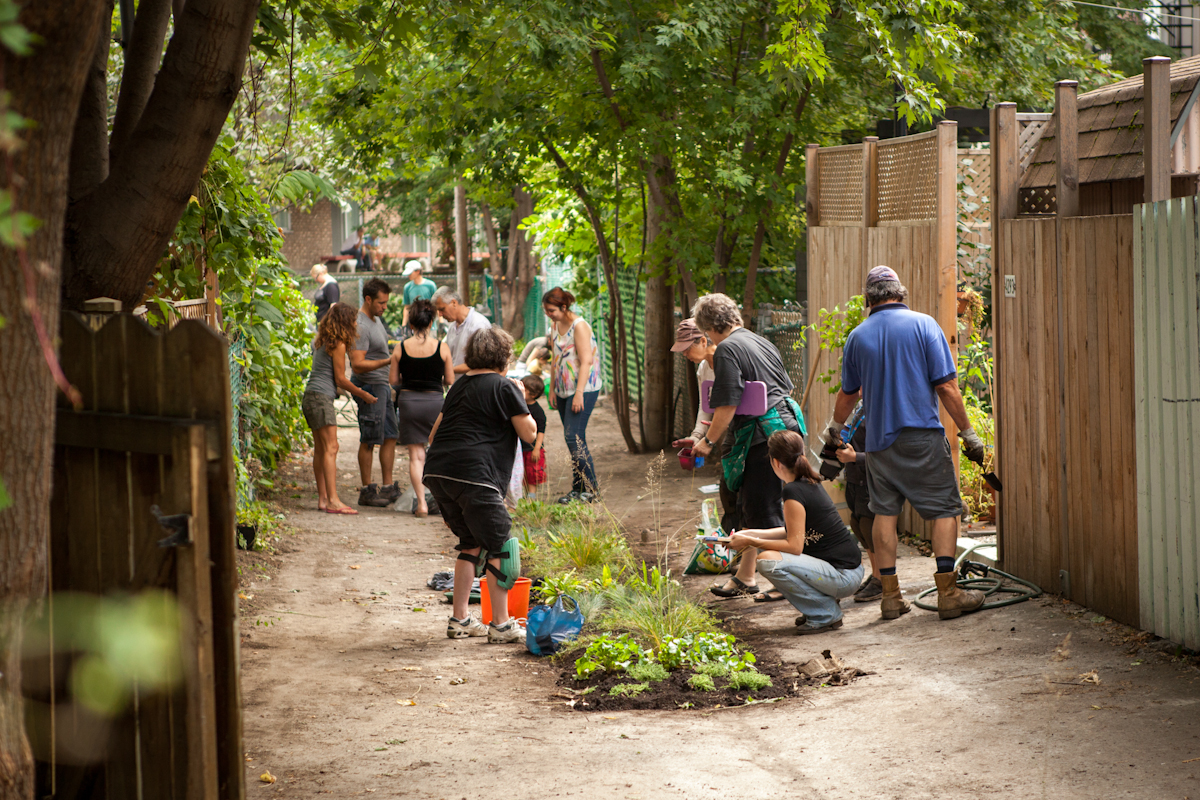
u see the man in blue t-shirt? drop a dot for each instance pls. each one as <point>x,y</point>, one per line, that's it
<point>900,363</point>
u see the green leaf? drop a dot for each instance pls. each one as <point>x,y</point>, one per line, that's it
<point>268,312</point>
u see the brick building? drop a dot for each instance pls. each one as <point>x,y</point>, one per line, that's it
<point>311,236</point>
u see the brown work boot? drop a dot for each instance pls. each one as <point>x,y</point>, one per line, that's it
<point>953,601</point>
<point>892,605</point>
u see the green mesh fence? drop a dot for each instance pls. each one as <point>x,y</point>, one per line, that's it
<point>785,329</point>
<point>237,379</point>
<point>535,320</point>
<point>633,303</point>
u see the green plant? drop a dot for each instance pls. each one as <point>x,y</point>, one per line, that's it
<point>609,654</point>
<point>262,517</point>
<point>748,680</point>
<point>708,652</point>
<point>590,605</point>
<point>715,669</point>
<point>552,588</point>
<point>975,491</point>
<point>657,616</point>
<point>648,671</point>
<point>702,683</point>
<point>832,329</point>
<point>227,228</point>
<point>628,689</point>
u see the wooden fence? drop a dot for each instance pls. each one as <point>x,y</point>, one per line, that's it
<point>1064,406</point>
<point>154,431</point>
<point>888,202</point>
<point>1166,390</point>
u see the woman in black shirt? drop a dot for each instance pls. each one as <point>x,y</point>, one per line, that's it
<point>813,560</point>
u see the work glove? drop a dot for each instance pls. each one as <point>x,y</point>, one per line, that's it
<point>973,446</point>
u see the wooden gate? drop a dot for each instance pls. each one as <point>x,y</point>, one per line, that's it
<point>154,431</point>
<point>1064,364</point>
<point>888,202</point>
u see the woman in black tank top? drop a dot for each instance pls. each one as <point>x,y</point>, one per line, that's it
<point>421,366</point>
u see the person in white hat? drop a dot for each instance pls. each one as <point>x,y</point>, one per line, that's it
<point>416,286</point>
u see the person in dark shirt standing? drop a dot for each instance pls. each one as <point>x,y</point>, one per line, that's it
<point>469,465</point>
<point>328,291</point>
<point>812,558</point>
<point>534,453</point>
<point>858,498</point>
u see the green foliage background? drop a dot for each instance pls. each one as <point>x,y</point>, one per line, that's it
<point>228,226</point>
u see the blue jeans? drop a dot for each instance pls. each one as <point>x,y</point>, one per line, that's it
<point>583,471</point>
<point>811,585</point>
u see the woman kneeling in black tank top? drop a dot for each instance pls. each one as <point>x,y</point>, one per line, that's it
<point>813,560</point>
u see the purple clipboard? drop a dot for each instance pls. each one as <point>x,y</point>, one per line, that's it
<point>754,398</point>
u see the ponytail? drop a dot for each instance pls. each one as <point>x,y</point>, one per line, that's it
<point>787,447</point>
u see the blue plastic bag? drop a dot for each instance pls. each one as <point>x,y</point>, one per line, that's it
<point>547,627</point>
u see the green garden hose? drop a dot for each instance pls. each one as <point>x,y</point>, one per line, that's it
<point>973,575</point>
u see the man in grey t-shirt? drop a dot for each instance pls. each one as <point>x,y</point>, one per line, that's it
<point>464,322</point>
<point>377,424</point>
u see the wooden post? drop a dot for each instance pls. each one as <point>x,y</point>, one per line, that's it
<point>812,217</point>
<point>870,212</point>
<point>462,254</point>
<point>946,248</point>
<point>1006,185</point>
<point>1156,134</point>
<point>1066,143</point>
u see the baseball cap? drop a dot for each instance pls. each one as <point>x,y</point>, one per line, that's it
<point>686,335</point>
<point>412,266</point>
<point>882,273</point>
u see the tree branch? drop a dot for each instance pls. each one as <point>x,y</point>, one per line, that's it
<point>89,143</point>
<point>761,227</point>
<point>602,77</point>
<point>141,64</point>
<point>116,235</point>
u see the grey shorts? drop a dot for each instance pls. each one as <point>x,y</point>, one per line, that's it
<point>917,468</point>
<point>318,410</point>
<point>376,422</point>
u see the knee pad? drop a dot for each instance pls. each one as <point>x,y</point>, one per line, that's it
<point>479,561</point>
<point>509,557</point>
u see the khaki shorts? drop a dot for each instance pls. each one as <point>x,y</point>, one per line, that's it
<point>318,410</point>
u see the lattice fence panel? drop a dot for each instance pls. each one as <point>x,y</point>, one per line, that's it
<point>840,189</point>
<point>974,215</point>
<point>908,179</point>
<point>1033,127</point>
<point>1038,201</point>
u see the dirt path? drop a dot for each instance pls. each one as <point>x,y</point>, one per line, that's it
<point>340,634</point>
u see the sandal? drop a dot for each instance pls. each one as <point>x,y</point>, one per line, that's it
<point>739,589</point>
<point>342,510</point>
<point>769,596</point>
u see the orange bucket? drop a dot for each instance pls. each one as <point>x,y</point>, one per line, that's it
<point>518,599</point>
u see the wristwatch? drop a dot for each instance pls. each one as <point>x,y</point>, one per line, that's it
<point>708,441</point>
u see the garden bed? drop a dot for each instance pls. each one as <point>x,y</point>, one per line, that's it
<point>674,693</point>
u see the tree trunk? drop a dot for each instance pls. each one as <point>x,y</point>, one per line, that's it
<point>462,244</point>
<point>89,142</point>
<point>142,58</point>
<point>517,277</point>
<point>46,88</point>
<point>660,320</point>
<point>493,243</point>
<point>760,228</point>
<point>615,322</point>
<point>116,235</point>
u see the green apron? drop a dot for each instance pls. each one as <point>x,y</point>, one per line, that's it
<point>734,464</point>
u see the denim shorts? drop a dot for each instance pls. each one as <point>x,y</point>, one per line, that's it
<point>377,422</point>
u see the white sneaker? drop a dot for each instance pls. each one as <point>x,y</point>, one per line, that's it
<point>463,628</point>
<point>507,633</point>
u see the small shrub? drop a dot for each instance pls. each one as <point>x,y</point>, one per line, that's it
<point>702,683</point>
<point>659,616</point>
<point>590,605</point>
<point>607,654</point>
<point>650,671</point>
<point>696,650</point>
<point>552,588</point>
<point>713,670</point>
<point>747,679</point>
<point>628,689</point>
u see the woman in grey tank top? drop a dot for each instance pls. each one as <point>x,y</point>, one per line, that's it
<point>335,335</point>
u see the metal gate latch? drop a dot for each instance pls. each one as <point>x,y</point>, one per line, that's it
<point>179,526</point>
